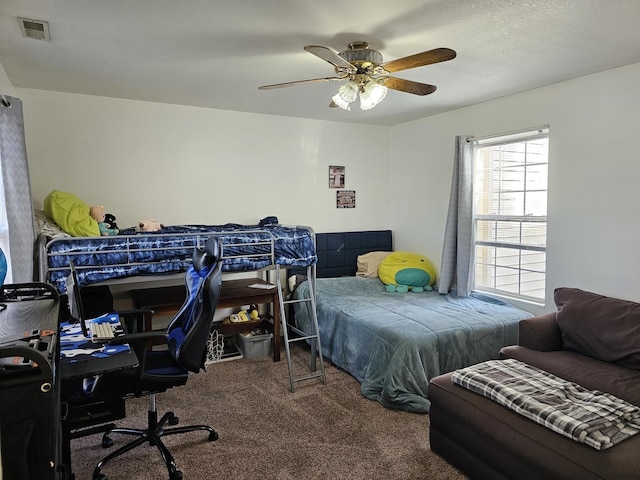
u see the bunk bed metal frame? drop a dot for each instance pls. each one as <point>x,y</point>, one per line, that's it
<point>258,253</point>
<point>130,251</point>
<point>149,256</point>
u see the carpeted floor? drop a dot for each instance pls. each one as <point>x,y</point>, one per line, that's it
<point>266,432</point>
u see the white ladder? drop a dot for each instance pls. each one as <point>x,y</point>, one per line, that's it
<point>313,337</point>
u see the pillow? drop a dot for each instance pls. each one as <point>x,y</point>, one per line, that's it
<point>47,227</point>
<point>71,214</point>
<point>600,327</point>
<point>295,280</point>
<point>369,262</point>
<point>403,271</point>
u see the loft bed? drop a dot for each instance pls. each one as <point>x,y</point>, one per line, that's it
<point>153,255</point>
<point>394,343</point>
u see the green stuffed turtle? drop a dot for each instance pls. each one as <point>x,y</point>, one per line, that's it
<point>404,271</point>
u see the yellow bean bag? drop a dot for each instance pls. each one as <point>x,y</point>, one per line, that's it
<point>404,271</point>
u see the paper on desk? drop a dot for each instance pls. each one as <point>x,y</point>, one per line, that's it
<point>264,286</point>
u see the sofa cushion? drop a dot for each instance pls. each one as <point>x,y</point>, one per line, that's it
<point>465,427</point>
<point>592,374</point>
<point>600,327</point>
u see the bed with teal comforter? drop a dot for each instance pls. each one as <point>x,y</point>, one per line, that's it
<point>393,344</point>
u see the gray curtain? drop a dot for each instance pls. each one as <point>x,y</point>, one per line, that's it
<point>456,270</point>
<point>17,189</point>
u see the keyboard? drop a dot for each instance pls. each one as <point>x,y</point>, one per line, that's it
<point>101,332</point>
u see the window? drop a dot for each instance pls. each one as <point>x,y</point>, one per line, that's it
<point>510,214</point>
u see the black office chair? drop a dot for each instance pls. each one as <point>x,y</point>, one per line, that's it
<point>186,338</point>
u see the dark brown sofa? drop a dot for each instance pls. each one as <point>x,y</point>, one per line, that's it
<point>591,340</point>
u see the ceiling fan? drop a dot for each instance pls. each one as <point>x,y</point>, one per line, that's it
<point>367,75</point>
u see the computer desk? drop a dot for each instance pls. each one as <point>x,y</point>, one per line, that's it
<point>85,416</point>
<point>97,366</point>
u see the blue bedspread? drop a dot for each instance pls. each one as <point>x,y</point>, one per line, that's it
<point>393,344</point>
<point>245,248</point>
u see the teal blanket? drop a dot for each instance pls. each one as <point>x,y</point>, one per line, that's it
<point>393,343</point>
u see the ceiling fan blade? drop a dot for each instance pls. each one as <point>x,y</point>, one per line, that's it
<point>420,59</point>
<point>330,56</point>
<point>408,86</point>
<point>300,82</point>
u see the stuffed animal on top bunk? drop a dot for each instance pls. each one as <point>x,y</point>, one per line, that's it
<point>110,220</point>
<point>405,271</point>
<point>97,213</point>
<point>149,225</point>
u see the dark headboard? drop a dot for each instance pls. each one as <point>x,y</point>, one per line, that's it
<point>338,252</point>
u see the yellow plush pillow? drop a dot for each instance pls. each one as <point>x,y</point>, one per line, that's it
<point>404,271</point>
<point>71,214</point>
<point>369,262</point>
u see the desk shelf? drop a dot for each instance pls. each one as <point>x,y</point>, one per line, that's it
<point>234,293</point>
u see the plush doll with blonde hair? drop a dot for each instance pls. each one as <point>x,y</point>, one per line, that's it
<point>98,214</point>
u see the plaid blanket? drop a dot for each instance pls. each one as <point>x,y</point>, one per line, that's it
<point>599,420</point>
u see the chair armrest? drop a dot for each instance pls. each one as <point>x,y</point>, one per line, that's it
<point>540,333</point>
<point>135,320</point>
<point>135,312</point>
<point>139,343</point>
<point>139,338</point>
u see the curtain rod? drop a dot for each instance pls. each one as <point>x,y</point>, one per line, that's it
<point>5,102</point>
<point>541,129</point>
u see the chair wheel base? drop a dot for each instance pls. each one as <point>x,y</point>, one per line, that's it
<point>151,435</point>
<point>107,442</point>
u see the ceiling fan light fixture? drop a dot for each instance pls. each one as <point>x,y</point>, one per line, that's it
<point>347,93</point>
<point>368,76</point>
<point>372,94</point>
<point>339,102</point>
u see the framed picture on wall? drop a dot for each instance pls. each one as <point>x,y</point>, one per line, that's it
<point>346,199</point>
<point>336,176</point>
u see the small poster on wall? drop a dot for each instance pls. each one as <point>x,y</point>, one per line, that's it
<point>336,176</point>
<point>346,199</point>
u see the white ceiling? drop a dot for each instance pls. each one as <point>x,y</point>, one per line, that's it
<point>215,53</point>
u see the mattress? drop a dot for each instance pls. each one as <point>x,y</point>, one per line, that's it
<point>393,344</point>
<point>245,248</point>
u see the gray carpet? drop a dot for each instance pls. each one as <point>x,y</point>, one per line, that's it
<point>266,432</point>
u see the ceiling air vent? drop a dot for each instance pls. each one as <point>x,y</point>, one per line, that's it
<point>37,29</point>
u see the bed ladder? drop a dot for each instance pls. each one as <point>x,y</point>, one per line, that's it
<point>312,337</point>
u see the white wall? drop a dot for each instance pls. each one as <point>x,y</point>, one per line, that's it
<point>6,87</point>
<point>193,165</point>
<point>190,165</point>
<point>594,175</point>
